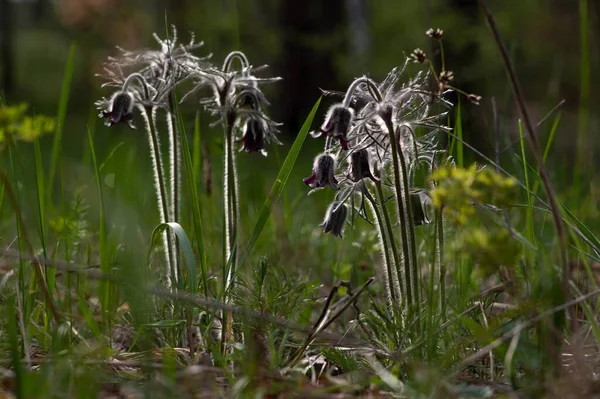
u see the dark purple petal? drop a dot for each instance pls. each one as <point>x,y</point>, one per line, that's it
<point>309,181</point>
<point>253,139</point>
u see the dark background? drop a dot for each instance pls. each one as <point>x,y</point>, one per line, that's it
<point>312,44</point>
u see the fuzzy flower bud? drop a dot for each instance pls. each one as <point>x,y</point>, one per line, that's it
<point>323,173</point>
<point>360,166</point>
<point>337,124</point>
<point>335,219</point>
<point>120,110</point>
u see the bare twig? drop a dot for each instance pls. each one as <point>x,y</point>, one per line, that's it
<point>535,147</point>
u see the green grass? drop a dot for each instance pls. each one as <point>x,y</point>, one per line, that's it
<point>84,312</point>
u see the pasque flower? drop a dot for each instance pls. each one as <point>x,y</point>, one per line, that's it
<point>120,110</point>
<point>323,173</point>
<point>335,219</point>
<point>253,139</point>
<point>360,166</point>
<point>337,124</point>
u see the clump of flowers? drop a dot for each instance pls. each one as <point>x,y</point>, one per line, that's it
<point>145,83</point>
<point>378,136</point>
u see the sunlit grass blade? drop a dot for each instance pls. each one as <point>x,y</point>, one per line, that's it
<point>61,116</point>
<point>551,137</point>
<point>547,149</point>
<point>280,182</point>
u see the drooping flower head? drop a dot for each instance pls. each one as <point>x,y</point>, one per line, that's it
<point>335,219</point>
<point>120,110</point>
<point>253,137</point>
<point>337,124</point>
<point>360,166</point>
<point>323,173</point>
<point>237,100</point>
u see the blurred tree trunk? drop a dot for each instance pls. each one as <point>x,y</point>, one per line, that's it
<point>6,50</point>
<point>309,29</point>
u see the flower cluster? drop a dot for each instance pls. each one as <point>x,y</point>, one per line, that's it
<point>361,132</point>
<point>238,101</point>
<point>147,78</point>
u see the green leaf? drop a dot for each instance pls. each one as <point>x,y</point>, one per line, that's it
<point>185,245</point>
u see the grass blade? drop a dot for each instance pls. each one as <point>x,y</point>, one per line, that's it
<point>192,177</point>
<point>60,119</point>
<point>104,264</point>
<point>280,182</point>
<point>459,134</point>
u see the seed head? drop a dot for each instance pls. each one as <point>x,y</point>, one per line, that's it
<point>445,78</point>
<point>335,219</point>
<point>418,56</point>
<point>474,98</point>
<point>436,34</point>
<point>323,173</point>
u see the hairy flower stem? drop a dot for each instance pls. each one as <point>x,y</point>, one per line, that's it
<point>392,285</point>
<point>230,210</point>
<point>159,183</point>
<point>390,233</point>
<point>174,182</point>
<point>407,227</point>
